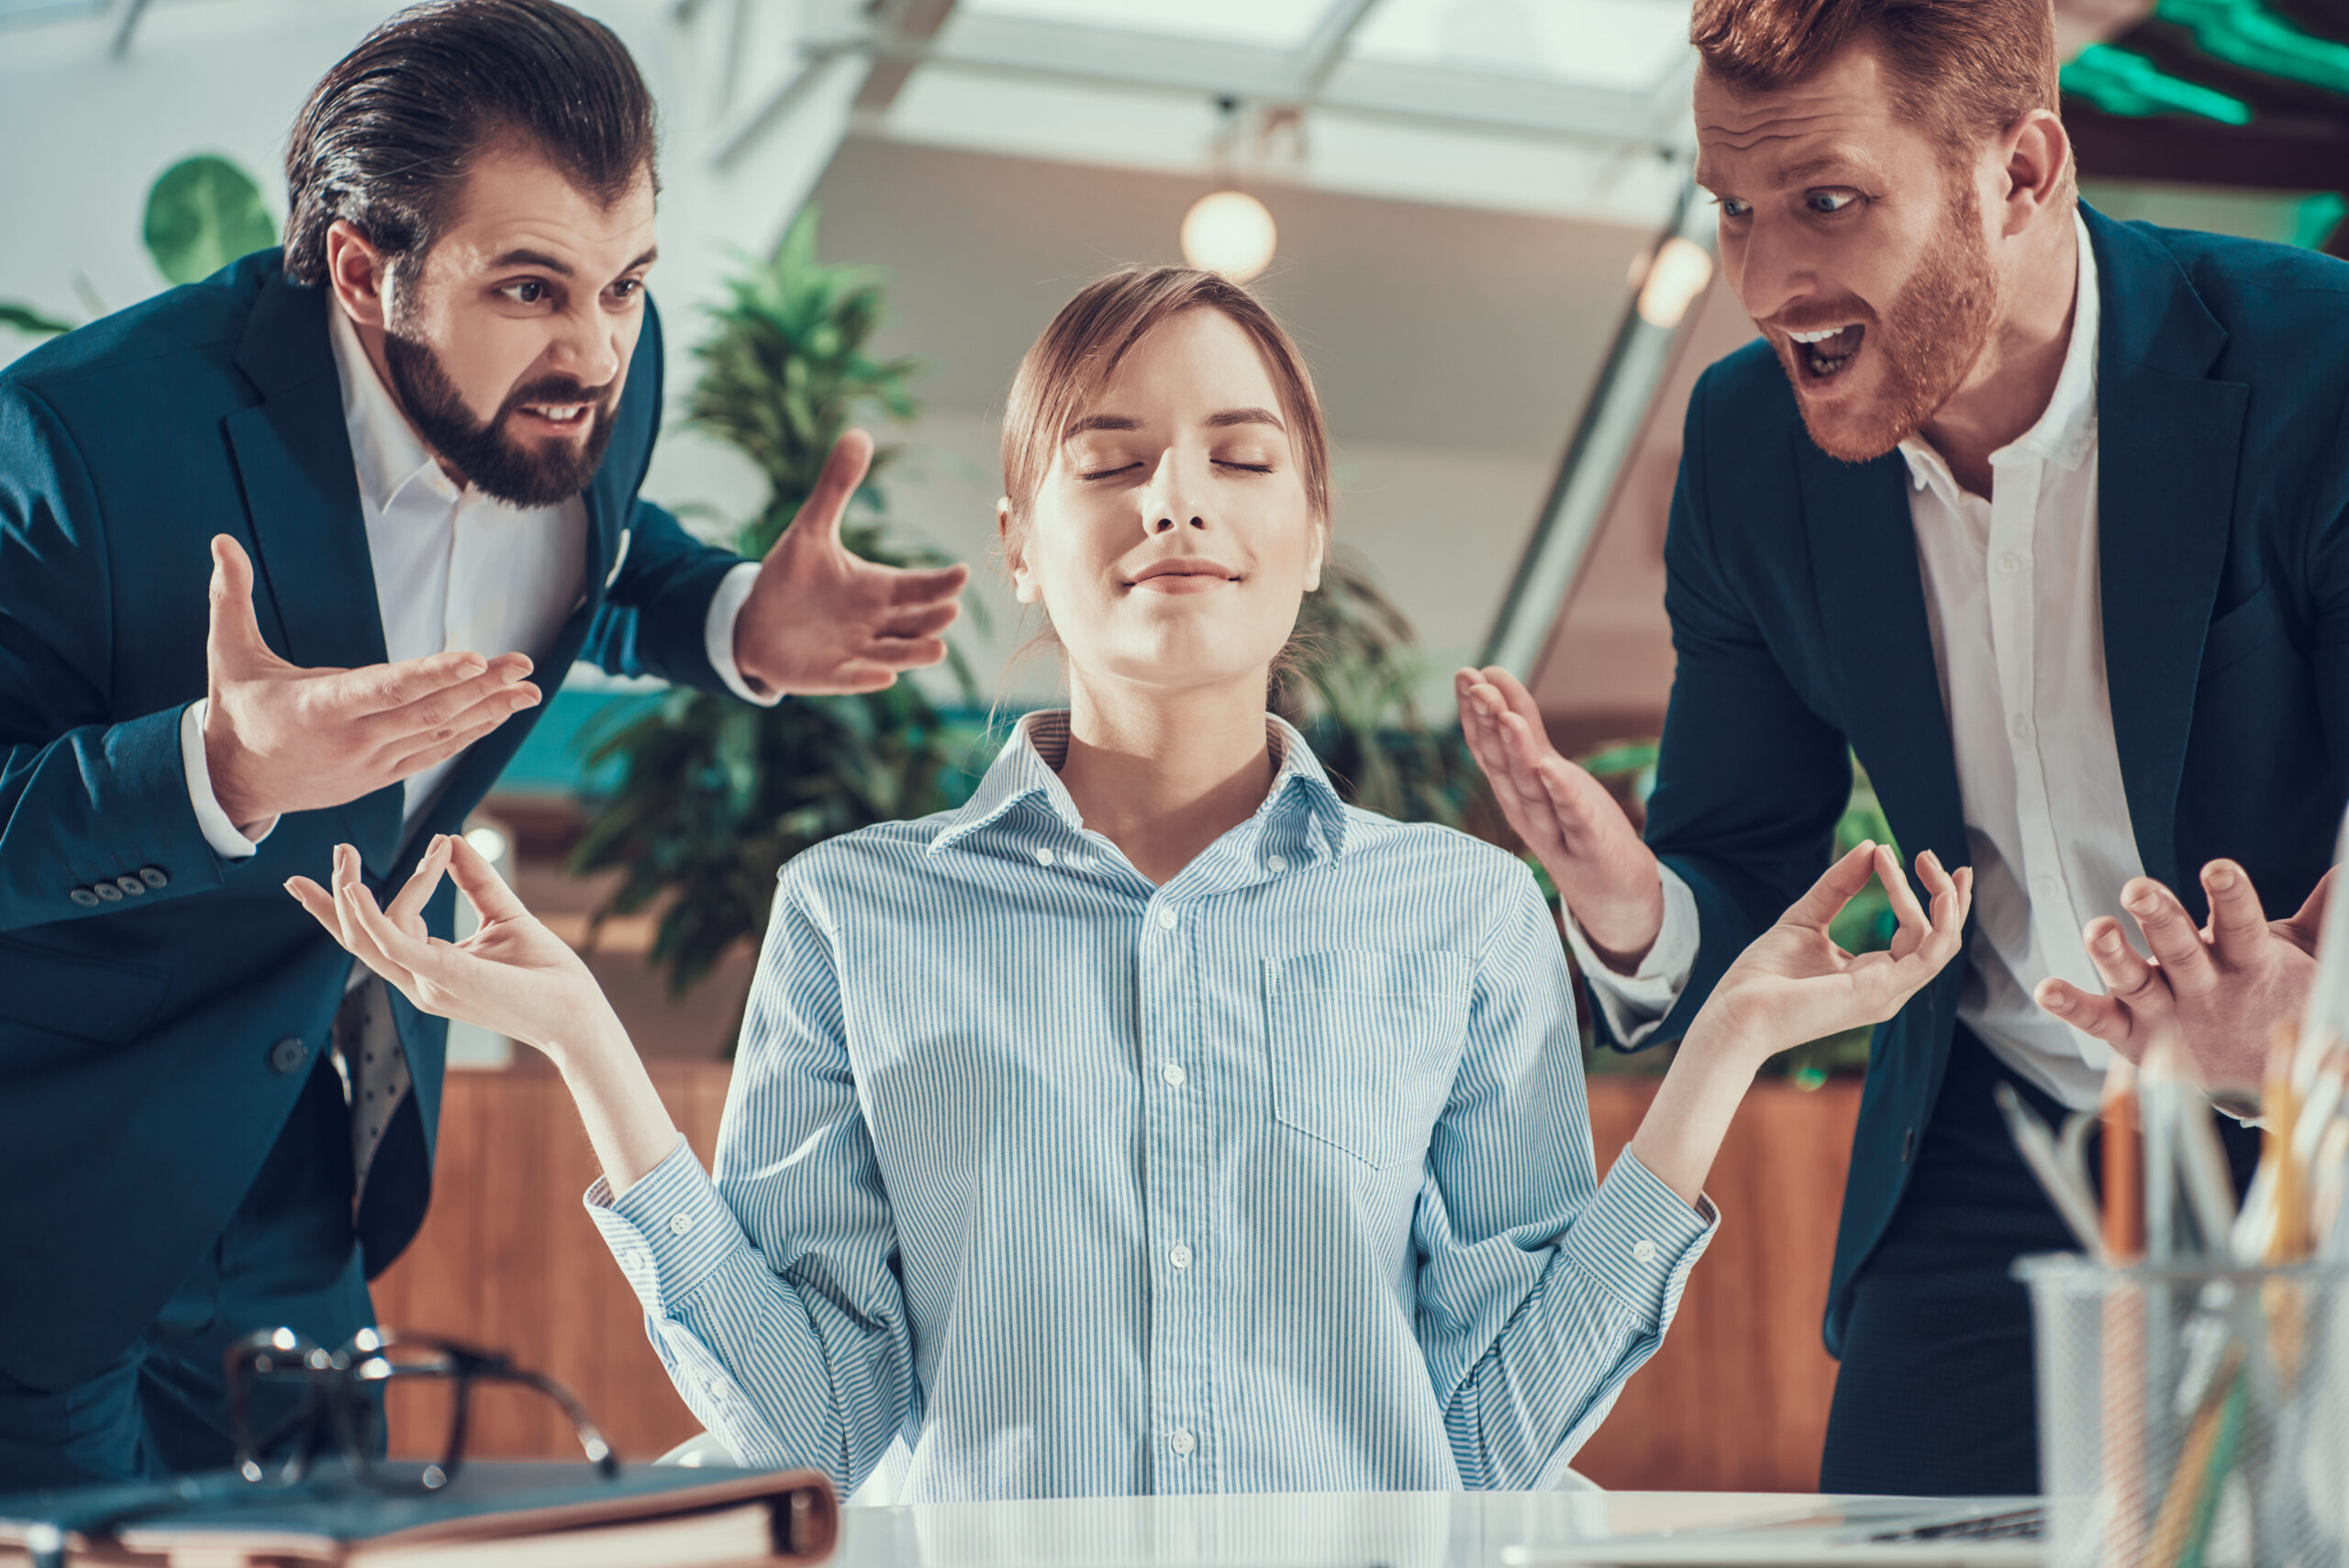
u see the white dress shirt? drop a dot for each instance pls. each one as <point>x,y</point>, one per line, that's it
<point>454,570</point>
<point>2016,612</point>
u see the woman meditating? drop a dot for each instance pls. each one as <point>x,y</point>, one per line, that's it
<point>1155,1122</point>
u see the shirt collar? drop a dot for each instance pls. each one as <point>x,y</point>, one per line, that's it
<point>2066,428</point>
<point>384,447</point>
<point>1027,769</point>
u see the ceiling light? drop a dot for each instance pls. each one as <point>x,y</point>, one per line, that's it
<point>1228,232</point>
<point>1678,274</point>
<point>488,843</point>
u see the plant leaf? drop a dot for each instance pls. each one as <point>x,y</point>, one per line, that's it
<point>202,213</point>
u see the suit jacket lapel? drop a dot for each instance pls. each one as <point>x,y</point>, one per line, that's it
<point>315,583</point>
<point>2168,440</point>
<point>1872,605</point>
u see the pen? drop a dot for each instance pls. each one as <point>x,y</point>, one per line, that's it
<point>2124,1172</point>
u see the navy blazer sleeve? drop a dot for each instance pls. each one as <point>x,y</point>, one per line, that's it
<point>1750,781</point>
<point>83,798</point>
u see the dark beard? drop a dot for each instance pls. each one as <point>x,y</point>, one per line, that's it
<point>491,461</point>
<point>1929,339</point>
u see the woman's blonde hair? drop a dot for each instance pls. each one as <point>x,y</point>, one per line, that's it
<point>1091,337</point>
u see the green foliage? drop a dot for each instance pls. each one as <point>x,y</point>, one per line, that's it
<point>716,793</point>
<point>1348,686</point>
<point>202,214</point>
<point>1866,924</point>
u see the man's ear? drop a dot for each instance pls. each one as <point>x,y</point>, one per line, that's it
<point>359,274</point>
<point>2038,158</point>
<point>1015,558</point>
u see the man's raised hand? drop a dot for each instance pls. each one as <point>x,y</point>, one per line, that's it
<point>821,619</point>
<point>279,738</point>
<point>2221,987</point>
<point>1605,873</point>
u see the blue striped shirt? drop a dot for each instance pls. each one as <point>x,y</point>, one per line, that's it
<point>1277,1177</point>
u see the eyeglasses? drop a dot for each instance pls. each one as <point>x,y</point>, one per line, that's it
<point>341,1402</point>
<point>339,1405</point>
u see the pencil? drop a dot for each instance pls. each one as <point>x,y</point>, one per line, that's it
<point>2124,1318</point>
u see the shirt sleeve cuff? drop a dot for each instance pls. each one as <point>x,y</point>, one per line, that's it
<point>717,632</point>
<point>669,1232</point>
<point>227,840</point>
<point>1639,1241</point>
<point>1634,1004</point>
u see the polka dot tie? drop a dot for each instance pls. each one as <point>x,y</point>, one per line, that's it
<point>374,1071</point>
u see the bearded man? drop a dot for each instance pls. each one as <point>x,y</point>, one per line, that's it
<point>2044,517</point>
<point>411,444</point>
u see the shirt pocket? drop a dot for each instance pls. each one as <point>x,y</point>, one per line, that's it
<point>1361,1045</point>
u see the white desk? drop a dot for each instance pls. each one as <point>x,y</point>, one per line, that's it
<point>1397,1530</point>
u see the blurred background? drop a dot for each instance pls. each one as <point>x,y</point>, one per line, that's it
<point>1475,216</point>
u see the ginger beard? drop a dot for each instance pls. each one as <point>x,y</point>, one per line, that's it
<point>520,474</point>
<point>1925,342</point>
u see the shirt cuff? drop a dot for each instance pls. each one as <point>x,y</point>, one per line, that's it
<point>1639,1241</point>
<point>227,840</point>
<point>669,1232</point>
<point>1634,1004</point>
<point>717,632</point>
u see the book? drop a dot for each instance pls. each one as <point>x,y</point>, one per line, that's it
<point>509,1514</point>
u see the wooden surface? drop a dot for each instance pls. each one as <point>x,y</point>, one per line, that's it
<point>1735,1400</point>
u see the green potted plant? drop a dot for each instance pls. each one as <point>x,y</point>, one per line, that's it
<point>713,794</point>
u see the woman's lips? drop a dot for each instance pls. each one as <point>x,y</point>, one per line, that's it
<point>1183,583</point>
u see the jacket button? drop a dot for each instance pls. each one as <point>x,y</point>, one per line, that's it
<point>108,892</point>
<point>288,1054</point>
<point>154,876</point>
<point>131,886</point>
<point>85,897</point>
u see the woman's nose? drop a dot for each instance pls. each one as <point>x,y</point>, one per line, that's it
<point>1167,504</point>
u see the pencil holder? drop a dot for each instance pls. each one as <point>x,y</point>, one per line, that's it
<point>2192,1418</point>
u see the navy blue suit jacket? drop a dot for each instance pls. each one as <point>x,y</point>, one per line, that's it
<point>1798,616</point>
<point>143,1077</point>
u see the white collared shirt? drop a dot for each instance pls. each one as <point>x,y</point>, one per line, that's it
<point>2015,607</point>
<point>454,570</point>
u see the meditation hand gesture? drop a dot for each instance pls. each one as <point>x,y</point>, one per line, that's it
<point>512,976</point>
<point>1794,983</point>
<point>279,738</point>
<point>820,618</point>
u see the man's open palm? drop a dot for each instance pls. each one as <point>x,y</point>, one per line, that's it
<point>821,619</point>
<point>280,738</point>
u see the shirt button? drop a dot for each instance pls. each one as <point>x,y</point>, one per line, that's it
<point>85,897</point>
<point>1180,1257</point>
<point>1043,857</point>
<point>633,1258</point>
<point>1643,1251</point>
<point>108,892</point>
<point>1181,1442</point>
<point>288,1054</point>
<point>2021,726</point>
<point>1275,863</point>
<point>154,876</point>
<point>2011,561</point>
<point>1166,919</point>
<point>131,886</point>
<point>2046,888</point>
<point>680,1223</point>
<point>1173,1075</point>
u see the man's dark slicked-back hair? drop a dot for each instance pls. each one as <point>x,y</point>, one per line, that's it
<point>388,137</point>
<point>1962,69</point>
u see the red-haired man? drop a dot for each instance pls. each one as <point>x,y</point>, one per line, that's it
<point>2044,516</point>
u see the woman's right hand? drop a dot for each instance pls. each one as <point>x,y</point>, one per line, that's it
<point>512,976</point>
<point>1794,983</point>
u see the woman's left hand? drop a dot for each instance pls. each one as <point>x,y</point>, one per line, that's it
<point>1794,983</point>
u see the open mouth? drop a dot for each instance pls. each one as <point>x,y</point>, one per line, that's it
<point>563,417</point>
<point>1823,353</point>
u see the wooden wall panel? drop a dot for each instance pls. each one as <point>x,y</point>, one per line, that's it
<point>1735,1400</point>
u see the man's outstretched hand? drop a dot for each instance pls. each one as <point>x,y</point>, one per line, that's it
<point>2221,987</point>
<point>279,738</point>
<point>1605,873</point>
<point>821,619</point>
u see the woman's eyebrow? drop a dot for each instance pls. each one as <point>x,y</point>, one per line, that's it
<point>1231,417</point>
<point>1099,422</point>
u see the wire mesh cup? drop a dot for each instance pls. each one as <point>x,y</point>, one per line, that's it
<point>2192,1418</point>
